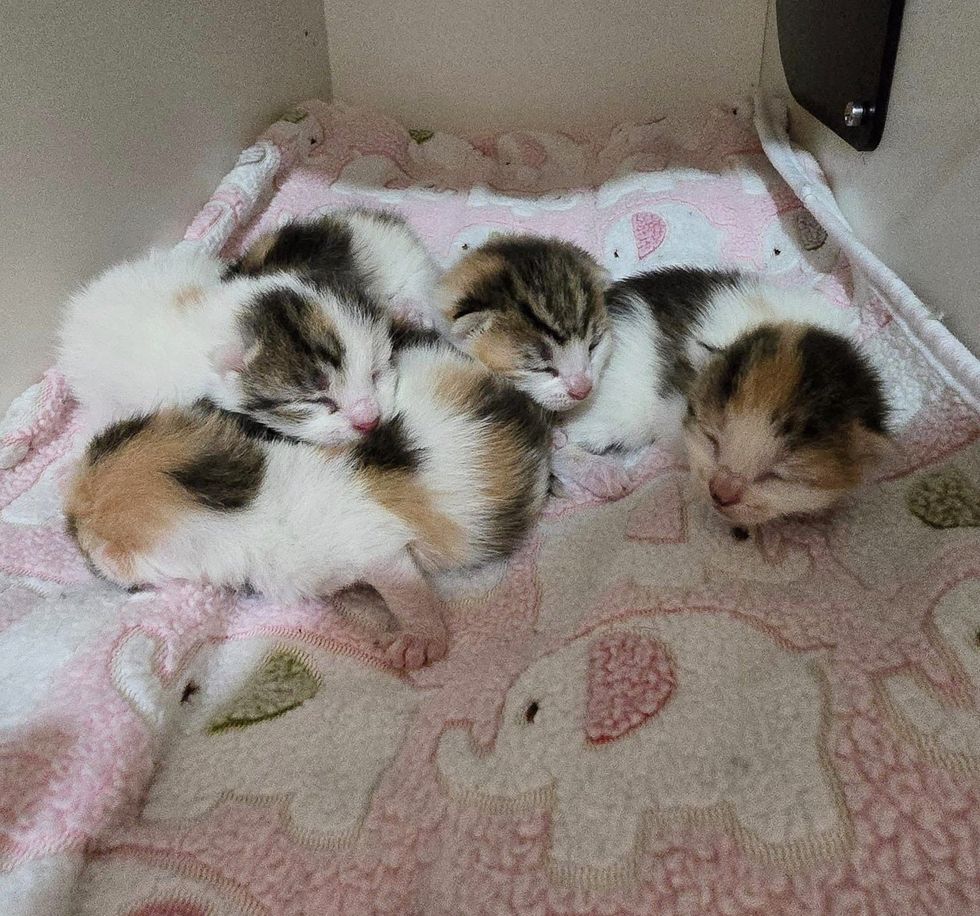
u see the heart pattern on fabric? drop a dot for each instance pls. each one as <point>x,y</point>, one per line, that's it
<point>631,677</point>
<point>812,234</point>
<point>649,230</point>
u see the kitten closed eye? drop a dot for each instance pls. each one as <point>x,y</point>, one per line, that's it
<point>322,401</point>
<point>770,476</point>
<point>793,408</point>
<point>531,309</point>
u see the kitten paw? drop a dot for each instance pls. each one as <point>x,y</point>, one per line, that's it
<point>409,651</point>
<point>598,475</point>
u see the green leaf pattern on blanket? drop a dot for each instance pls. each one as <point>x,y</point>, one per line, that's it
<point>421,134</point>
<point>284,681</point>
<point>945,499</point>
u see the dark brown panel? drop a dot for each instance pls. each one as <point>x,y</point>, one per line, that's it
<point>838,56</point>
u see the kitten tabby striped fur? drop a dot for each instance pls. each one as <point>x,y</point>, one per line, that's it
<point>532,310</point>
<point>165,330</point>
<point>375,251</point>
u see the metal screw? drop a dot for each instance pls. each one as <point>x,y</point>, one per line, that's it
<point>855,113</point>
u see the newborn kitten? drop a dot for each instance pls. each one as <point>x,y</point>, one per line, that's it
<point>667,325</point>
<point>375,250</point>
<point>314,363</point>
<point>454,478</point>
<point>784,421</point>
<point>532,310</point>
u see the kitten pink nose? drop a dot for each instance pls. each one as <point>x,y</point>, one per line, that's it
<point>726,488</point>
<point>579,385</point>
<point>364,415</point>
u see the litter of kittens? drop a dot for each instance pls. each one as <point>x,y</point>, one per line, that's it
<point>644,707</point>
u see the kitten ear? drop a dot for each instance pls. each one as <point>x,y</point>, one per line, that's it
<point>471,324</point>
<point>233,357</point>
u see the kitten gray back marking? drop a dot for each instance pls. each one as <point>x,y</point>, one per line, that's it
<point>678,298</point>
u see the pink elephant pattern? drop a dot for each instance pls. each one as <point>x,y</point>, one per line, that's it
<point>865,614</point>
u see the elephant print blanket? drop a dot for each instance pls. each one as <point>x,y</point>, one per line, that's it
<point>639,714</point>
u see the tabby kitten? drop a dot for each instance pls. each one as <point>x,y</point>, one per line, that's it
<point>532,310</point>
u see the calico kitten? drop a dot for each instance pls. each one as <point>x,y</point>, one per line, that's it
<point>454,478</point>
<point>532,310</point>
<point>784,421</point>
<point>375,250</point>
<point>668,328</point>
<point>312,363</point>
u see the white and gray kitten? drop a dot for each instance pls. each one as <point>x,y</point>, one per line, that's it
<point>376,251</point>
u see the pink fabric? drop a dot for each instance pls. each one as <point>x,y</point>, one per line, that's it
<point>876,607</point>
<point>630,678</point>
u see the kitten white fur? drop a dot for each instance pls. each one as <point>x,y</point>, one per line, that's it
<point>625,409</point>
<point>315,526</point>
<point>399,268</point>
<point>163,330</point>
<point>734,311</point>
<point>127,346</point>
<point>635,401</point>
<point>630,407</point>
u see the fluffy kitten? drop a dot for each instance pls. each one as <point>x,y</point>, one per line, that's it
<point>784,421</point>
<point>454,478</point>
<point>669,327</point>
<point>532,310</point>
<point>375,250</point>
<point>314,363</point>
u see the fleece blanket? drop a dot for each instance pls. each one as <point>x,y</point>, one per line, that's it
<point>639,714</point>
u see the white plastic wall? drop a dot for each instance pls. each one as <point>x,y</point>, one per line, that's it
<point>473,65</point>
<point>117,119</point>
<point>915,200</point>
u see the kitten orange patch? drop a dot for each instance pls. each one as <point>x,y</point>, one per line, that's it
<point>188,297</point>
<point>122,502</point>
<point>457,384</point>
<point>440,541</point>
<point>257,252</point>
<point>477,267</point>
<point>772,381</point>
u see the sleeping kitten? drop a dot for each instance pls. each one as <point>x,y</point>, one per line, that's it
<point>667,328</point>
<point>784,421</point>
<point>454,478</point>
<point>532,310</point>
<point>314,363</point>
<point>375,250</point>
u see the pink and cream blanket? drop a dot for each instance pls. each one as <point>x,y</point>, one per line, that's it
<point>638,715</point>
